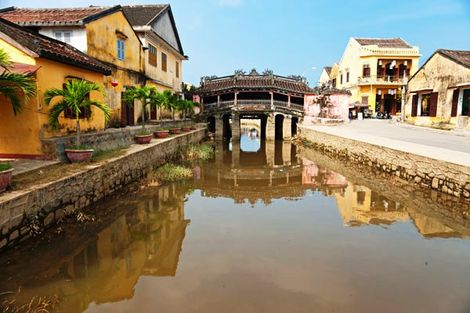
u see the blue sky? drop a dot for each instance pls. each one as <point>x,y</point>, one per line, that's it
<point>292,37</point>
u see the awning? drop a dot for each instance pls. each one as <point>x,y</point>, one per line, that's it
<point>463,85</point>
<point>422,90</point>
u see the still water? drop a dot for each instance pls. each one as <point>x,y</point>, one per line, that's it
<point>265,227</point>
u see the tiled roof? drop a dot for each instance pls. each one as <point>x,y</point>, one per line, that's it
<point>140,15</point>
<point>50,48</point>
<point>327,69</point>
<point>254,82</point>
<point>383,42</point>
<point>459,56</point>
<point>54,16</point>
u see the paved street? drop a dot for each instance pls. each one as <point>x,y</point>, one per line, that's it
<point>441,145</point>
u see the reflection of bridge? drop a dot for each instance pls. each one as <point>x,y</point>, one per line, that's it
<point>278,102</point>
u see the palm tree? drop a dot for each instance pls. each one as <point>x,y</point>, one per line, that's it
<point>157,100</point>
<point>15,87</point>
<point>75,96</point>
<point>144,95</point>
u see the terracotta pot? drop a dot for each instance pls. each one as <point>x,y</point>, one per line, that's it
<point>161,134</point>
<point>76,156</point>
<point>186,129</point>
<point>5,179</point>
<point>143,139</point>
<point>175,131</point>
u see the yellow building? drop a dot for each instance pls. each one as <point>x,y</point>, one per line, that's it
<point>101,32</point>
<point>375,71</point>
<point>439,92</point>
<point>20,135</point>
<point>164,53</point>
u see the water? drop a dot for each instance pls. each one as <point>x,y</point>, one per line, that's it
<point>264,228</point>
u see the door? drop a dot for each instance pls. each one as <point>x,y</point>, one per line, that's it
<point>127,113</point>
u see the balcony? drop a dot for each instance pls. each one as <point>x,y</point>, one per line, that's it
<point>387,80</point>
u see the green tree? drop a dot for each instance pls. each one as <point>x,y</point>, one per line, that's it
<point>16,88</point>
<point>75,96</point>
<point>143,94</point>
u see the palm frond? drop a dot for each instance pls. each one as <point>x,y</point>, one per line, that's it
<point>4,59</point>
<point>17,88</point>
<point>54,113</point>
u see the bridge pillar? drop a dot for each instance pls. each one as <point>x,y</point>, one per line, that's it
<point>270,128</point>
<point>219,128</point>
<point>236,127</point>
<point>270,152</point>
<point>286,152</point>
<point>235,152</point>
<point>286,128</point>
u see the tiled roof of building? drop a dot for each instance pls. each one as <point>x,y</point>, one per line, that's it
<point>459,56</point>
<point>140,15</point>
<point>50,48</point>
<point>384,42</point>
<point>327,69</point>
<point>55,16</point>
<point>252,82</point>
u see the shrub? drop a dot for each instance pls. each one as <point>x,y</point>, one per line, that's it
<point>171,172</point>
<point>198,152</point>
<point>5,166</point>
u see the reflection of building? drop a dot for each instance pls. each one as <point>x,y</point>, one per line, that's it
<point>104,268</point>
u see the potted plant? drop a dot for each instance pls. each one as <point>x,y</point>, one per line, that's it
<point>143,94</point>
<point>175,130</point>
<point>75,97</point>
<point>161,133</point>
<point>6,173</point>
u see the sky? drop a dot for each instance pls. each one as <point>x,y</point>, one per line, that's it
<point>296,37</point>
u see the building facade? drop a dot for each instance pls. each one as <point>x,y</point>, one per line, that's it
<point>375,70</point>
<point>438,95</point>
<point>32,53</point>
<point>101,32</point>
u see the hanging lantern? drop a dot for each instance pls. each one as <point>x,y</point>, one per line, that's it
<point>114,83</point>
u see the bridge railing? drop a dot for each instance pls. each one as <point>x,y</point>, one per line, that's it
<point>260,104</point>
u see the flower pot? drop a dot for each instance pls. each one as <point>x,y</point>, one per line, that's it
<point>185,129</point>
<point>76,156</point>
<point>5,179</point>
<point>161,134</point>
<point>143,139</point>
<point>175,131</point>
<point>193,127</point>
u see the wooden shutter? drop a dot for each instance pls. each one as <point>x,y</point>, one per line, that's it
<point>414,105</point>
<point>433,104</point>
<point>455,102</point>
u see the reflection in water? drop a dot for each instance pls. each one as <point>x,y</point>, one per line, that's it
<point>288,254</point>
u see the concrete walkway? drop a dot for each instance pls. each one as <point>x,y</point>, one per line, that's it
<point>435,144</point>
<point>21,166</point>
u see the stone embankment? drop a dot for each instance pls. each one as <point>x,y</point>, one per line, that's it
<point>39,207</point>
<point>447,177</point>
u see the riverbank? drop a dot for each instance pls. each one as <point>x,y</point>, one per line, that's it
<point>24,212</point>
<point>429,164</point>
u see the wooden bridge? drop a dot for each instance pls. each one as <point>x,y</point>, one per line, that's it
<point>275,100</point>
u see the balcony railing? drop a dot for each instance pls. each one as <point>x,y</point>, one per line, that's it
<point>381,79</point>
<point>264,104</point>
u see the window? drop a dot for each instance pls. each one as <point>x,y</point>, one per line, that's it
<point>365,70</point>
<point>164,64</point>
<point>347,77</point>
<point>121,53</point>
<point>334,82</point>
<point>83,113</point>
<point>466,102</point>
<point>63,35</point>
<point>152,55</point>
<point>365,100</point>
<point>177,69</point>
<point>341,79</point>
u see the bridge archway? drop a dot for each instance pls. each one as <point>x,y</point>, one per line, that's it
<point>278,126</point>
<point>211,124</point>
<point>294,122</point>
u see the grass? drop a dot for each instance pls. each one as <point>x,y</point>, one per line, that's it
<point>171,172</point>
<point>201,152</point>
<point>5,167</point>
<point>35,305</point>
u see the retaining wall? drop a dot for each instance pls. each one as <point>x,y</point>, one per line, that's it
<point>449,178</point>
<point>43,205</point>
<point>109,139</point>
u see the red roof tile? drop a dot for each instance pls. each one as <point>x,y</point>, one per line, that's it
<point>459,56</point>
<point>53,16</point>
<point>50,48</point>
<point>384,42</point>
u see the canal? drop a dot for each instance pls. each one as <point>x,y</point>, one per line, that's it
<point>264,227</point>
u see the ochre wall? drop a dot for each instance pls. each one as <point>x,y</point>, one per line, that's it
<point>102,36</point>
<point>21,134</point>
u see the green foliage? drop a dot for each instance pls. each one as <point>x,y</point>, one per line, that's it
<point>80,147</point>
<point>143,132</point>
<point>5,167</point>
<point>171,172</point>
<point>75,96</point>
<point>198,152</point>
<point>16,88</point>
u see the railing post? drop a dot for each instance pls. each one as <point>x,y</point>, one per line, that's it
<point>288,100</point>
<point>272,100</point>
<point>235,100</point>
<point>218,101</point>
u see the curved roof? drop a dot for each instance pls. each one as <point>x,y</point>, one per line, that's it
<point>253,82</point>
